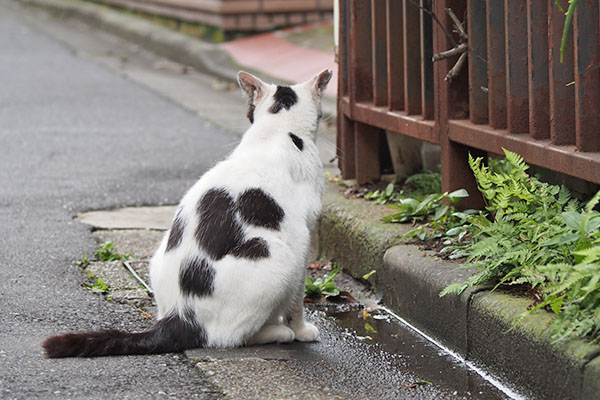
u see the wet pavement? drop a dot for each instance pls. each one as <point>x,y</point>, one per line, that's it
<point>364,350</point>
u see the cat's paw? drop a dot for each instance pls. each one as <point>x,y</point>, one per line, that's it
<point>307,333</point>
<point>286,335</point>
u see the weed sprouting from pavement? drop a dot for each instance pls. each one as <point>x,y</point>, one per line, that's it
<point>108,252</point>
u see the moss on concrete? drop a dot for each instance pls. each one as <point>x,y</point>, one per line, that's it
<point>525,355</point>
<point>352,232</point>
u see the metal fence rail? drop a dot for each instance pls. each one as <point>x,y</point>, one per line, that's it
<point>514,92</point>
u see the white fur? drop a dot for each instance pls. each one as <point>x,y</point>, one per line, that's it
<point>256,301</point>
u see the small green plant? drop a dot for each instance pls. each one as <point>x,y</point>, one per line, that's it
<point>322,286</point>
<point>369,274</point>
<point>412,209</point>
<point>384,196</point>
<point>108,252</point>
<point>98,286</point>
<point>424,183</point>
<point>416,186</point>
<point>84,262</point>
<point>421,200</point>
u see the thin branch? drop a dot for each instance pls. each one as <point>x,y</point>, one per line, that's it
<point>461,48</point>
<point>459,26</point>
<point>453,73</point>
<point>437,21</point>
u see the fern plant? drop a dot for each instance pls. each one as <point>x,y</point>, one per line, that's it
<point>525,227</point>
<point>536,234</point>
<point>572,290</point>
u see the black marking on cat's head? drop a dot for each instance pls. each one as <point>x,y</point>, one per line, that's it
<point>196,277</point>
<point>258,208</point>
<point>298,142</point>
<point>285,97</point>
<point>254,89</point>
<point>218,231</point>
<point>253,249</point>
<point>176,233</point>
<point>250,113</point>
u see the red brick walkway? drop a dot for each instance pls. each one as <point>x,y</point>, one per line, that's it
<point>281,59</point>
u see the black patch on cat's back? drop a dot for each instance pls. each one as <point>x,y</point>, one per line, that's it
<point>285,97</point>
<point>258,208</point>
<point>252,249</point>
<point>196,277</point>
<point>218,231</point>
<point>176,233</point>
<point>298,142</point>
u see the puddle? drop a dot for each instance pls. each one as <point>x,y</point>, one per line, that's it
<point>407,349</point>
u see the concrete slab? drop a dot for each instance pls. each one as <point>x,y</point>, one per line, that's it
<point>265,379</point>
<point>159,218</point>
<point>140,242</point>
<point>265,352</point>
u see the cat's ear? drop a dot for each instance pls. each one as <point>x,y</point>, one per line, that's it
<point>319,82</point>
<point>253,87</point>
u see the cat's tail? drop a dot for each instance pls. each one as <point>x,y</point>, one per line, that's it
<point>170,334</point>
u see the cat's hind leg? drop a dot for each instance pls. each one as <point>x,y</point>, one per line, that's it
<point>273,333</point>
<point>304,331</point>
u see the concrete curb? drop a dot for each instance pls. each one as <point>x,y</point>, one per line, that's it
<point>475,324</point>
<point>204,57</point>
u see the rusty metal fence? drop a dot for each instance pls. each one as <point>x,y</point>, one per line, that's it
<point>513,92</point>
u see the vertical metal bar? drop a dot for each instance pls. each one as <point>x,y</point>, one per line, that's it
<point>345,129</point>
<point>379,45</point>
<point>343,59</point>
<point>361,56</point>
<point>587,75</point>
<point>412,56</point>
<point>450,102</point>
<point>347,147</point>
<point>395,51</point>
<point>426,62</point>
<point>537,61</point>
<point>367,153</point>
<point>562,97</point>
<point>517,88</point>
<point>478,99</point>
<point>496,64</point>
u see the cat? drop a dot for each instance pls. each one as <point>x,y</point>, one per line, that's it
<point>230,271</point>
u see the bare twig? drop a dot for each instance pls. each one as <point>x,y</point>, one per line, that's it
<point>437,21</point>
<point>461,48</point>
<point>453,73</point>
<point>457,24</point>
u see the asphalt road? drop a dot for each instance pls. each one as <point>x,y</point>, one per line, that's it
<point>87,122</point>
<point>74,136</point>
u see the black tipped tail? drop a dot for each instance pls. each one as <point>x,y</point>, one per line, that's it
<point>170,334</point>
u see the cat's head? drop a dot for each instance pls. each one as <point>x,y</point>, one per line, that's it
<point>300,103</point>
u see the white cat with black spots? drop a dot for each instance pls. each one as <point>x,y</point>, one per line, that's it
<point>231,270</point>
